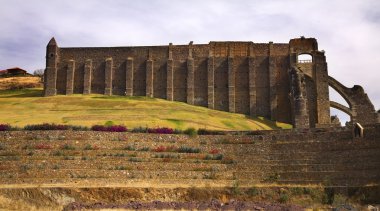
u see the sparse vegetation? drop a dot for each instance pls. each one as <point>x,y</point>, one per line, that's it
<point>272,178</point>
<point>283,198</point>
<point>213,157</point>
<point>91,147</point>
<point>68,147</point>
<point>58,153</point>
<point>129,148</point>
<point>188,150</point>
<point>110,128</point>
<point>5,127</point>
<point>235,188</point>
<point>192,132</point>
<point>42,146</point>
<point>144,149</point>
<point>253,191</point>
<point>135,159</point>
<point>161,130</point>
<point>46,126</point>
<point>122,168</point>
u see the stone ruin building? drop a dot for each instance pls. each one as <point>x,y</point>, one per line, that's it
<point>272,80</point>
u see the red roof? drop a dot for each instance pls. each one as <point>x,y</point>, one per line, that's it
<point>13,69</point>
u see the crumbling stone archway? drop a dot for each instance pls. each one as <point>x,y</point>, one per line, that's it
<point>360,107</point>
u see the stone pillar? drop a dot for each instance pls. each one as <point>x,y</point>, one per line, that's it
<point>231,82</point>
<point>190,76</point>
<point>252,82</point>
<point>87,77</point>
<point>170,75</point>
<point>70,77</point>
<point>322,88</point>
<point>50,75</point>
<point>129,77</point>
<point>298,98</point>
<point>272,83</point>
<point>108,77</point>
<point>149,75</point>
<point>210,81</point>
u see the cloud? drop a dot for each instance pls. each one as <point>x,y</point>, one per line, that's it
<point>347,30</point>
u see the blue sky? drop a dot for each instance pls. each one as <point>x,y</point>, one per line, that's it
<point>348,31</point>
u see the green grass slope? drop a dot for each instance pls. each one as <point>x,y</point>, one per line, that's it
<point>22,107</point>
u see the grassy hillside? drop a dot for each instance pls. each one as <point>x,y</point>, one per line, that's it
<point>20,83</point>
<point>26,106</point>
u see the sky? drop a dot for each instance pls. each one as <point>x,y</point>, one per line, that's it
<point>348,31</point>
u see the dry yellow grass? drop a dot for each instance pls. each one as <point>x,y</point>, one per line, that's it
<point>19,83</point>
<point>23,107</point>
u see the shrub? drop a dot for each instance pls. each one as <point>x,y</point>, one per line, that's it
<point>210,132</point>
<point>160,149</point>
<point>272,178</point>
<point>58,153</point>
<point>166,156</point>
<point>113,128</point>
<point>122,168</point>
<point>210,175</point>
<point>79,128</point>
<point>5,127</point>
<point>90,147</point>
<point>214,151</point>
<point>218,157</point>
<point>129,148</point>
<point>109,123</point>
<point>228,160</point>
<point>68,147</point>
<point>235,188</point>
<point>188,150</point>
<point>144,149</point>
<point>135,160</point>
<point>161,130</point>
<point>46,126</point>
<point>213,157</point>
<point>297,191</point>
<point>42,146</point>
<point>283,198</point>
<point>208,157</point>
<point>165,149</point>
<point>139,130</point>
<point>190,132</point>
<point>68,158</point>
<point>253,191</point>
<point>120,155</point>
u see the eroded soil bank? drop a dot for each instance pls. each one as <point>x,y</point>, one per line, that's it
<point>207,198</point>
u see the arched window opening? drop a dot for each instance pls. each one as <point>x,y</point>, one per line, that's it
<point>339,117</point>
<point>304,58</point>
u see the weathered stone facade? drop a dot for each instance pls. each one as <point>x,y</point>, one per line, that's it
<point>256,79</point>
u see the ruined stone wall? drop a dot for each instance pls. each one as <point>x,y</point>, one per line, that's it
<point>241,77</point>
<point>330,157</point>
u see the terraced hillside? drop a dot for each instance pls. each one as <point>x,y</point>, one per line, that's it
<point>75,159</point>
<point>26,106</point>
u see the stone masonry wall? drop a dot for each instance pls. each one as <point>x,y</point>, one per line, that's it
<point>240,77</point>
<point>330,157</point>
